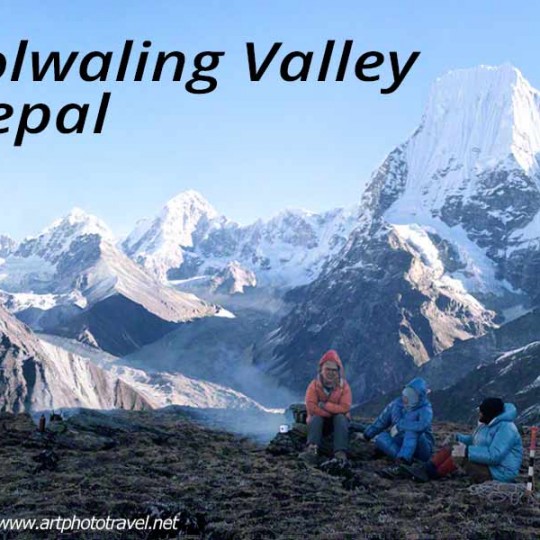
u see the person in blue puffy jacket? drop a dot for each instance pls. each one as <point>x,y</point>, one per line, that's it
<point>494,450</point>
<point>409,419</point>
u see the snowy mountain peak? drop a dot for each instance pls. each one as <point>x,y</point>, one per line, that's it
<point>78,223</point>
<point>60,237</point>
<point>477,148</point>
<point>478,117</point>
<point>189,202</point>
<point>77,214</point>
<point>181,215</point>
<point>157,243</point>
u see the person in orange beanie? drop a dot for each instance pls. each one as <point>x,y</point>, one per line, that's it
<point>328,402</point>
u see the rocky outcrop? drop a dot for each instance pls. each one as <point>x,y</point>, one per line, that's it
<point>37,376</point>
<point>513,376</point>
<point>452,365</point>
<point>233,279</point>
<point>383,307</point>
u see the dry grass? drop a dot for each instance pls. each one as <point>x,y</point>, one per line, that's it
<point>230,488</point>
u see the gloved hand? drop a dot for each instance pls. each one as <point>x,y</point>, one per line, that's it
<point>459,451</point>
<point>393,431</point>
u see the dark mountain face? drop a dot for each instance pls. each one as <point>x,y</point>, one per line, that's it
<point>522,268</point>
<point>514,377</point>
<point>453,364</point>
<point>380,308</point>
<point>117,325</point>
<point>504,362</point>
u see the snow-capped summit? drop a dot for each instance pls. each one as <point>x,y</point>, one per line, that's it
<point>470,174</point>
<point>68,243</point>
<point>182,214</point>
<point>476,121</point>
<point>189,239</point>
<point>190,202</point>
<point>157,243</point>
<point>56,239</point>
<point>82,223</point>
<point>477,117</point>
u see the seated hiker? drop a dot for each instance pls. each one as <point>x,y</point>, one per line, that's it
<point>493,452</point>
<point>409,419</point>
<point>328,402</point>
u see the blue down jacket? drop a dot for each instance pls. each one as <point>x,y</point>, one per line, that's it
<point>497,444</point>
<point>415,422</point>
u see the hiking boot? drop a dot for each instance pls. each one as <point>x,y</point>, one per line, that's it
<point>310,455</point>
<point>341,456</point>
<point>417,472</point>
<point>393,472</point>
<point>337,467</point>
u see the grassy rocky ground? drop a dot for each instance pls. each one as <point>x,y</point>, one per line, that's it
<point>220,486</point>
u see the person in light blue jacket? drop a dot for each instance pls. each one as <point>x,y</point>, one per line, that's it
<point>496,442</point>
<point>494,451</point>
<point>409,419</point>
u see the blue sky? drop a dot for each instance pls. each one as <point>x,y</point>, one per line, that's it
<point>251,149</point>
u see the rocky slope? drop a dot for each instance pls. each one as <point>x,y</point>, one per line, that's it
<point>158,383</point>
<point>38,376</point>
<point>504,362</point>
<point>452,365</point>
<point>513,376</point>
<point>72,280</point>
<point>218,486</point>
<point>384,306</point>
